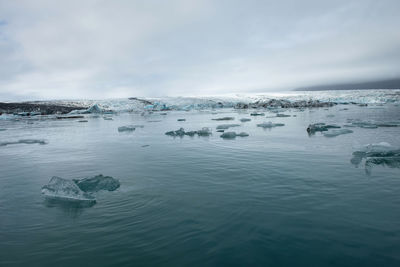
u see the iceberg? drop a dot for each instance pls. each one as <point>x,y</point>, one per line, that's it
<point>66,190</point>
<point>224,119</point>
<point>226,126</point>
<point>129,128</point>
<point>24,141</point>
<point>97,183</point>
<point>257,114</point>
<point>281,115</point>
<point>334,133</point>
<point>320,127</point>
<point>180,132</point>
<point>245,119</point>
<point>204,132</point>
<point>232,135</point>
<point>377,154</point>
<point>269,125</point>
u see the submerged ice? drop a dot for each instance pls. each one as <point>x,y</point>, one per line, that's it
<point>377,154</point>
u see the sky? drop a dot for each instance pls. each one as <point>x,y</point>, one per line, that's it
<point>112,49</point>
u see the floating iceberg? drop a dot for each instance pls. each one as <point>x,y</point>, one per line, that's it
<point>269,125</point>
<point>181,132</point>
<point>226,126</point>
<point>334,133</point>
<point>320,127</point>
<point>108,118</point>
<point>181,119</point>
<point>204,132</point>
<point>281,115</point>
<point>232,135</point>
<point>97,183</point>
<point>377,154</point>
<point>224,119</point>
<point>24,141</point>
<point>257,114</point>
<point>245,119</point>
<point>63,189</point>
<point>128,128</point>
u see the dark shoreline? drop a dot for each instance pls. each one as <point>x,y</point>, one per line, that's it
<point>36,109</point>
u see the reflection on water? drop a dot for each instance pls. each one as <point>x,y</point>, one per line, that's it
<point>71,208</point>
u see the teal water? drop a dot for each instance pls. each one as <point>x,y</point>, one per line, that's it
<point>276,198</point>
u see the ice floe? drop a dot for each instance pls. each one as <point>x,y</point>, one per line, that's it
<point>67,190</point>
<point>224,119</point>
<point>232,135</point>
<point>129,128</point>
<point>377,154</point>
<point>24,141</point>
<point>270,125</point>
<point>226,126</point>
<point>334,133</point>
<point>97,183</point>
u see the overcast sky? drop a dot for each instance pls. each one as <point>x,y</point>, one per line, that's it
<point>103,49</point>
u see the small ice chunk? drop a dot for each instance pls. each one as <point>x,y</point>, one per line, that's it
<point>83,121</point>
<point>228,135</point>
<point>180,132</point>
<point>63,189</point>
<point>321,127</point>
<point>97,183</point>
<point>257,114</point>
<point>224,119</point>
<point>232,135</point>
<point>269,125</point>
<point>1,129</point>
<point>108,118</point>
<point>181,119</point>
<point>245,119</point>
<point>204,132</point>
<point>242,134</point>
<point>226,126</point>
<point>281,115</point>
<point>128,128</point>
<point>334,133</point>
<point>24,141</point>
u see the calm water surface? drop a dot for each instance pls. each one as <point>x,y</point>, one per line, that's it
<point>276,198</point>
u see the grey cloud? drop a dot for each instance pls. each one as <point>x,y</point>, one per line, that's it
<point>98,49</point>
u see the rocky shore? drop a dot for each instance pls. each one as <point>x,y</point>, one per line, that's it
<point>29,109</point>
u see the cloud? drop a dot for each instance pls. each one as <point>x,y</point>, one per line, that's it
<point>98,49</point>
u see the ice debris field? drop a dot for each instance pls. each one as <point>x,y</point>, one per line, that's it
<point>336,114</point>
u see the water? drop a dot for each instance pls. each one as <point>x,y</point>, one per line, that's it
<point>276,198</point>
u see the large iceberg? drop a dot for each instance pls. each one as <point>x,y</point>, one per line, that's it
<point>63,189</point>
<point>377,154</point>
<point>97,183</point>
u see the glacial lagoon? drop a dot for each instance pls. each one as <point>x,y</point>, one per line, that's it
<point>280,196</point>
